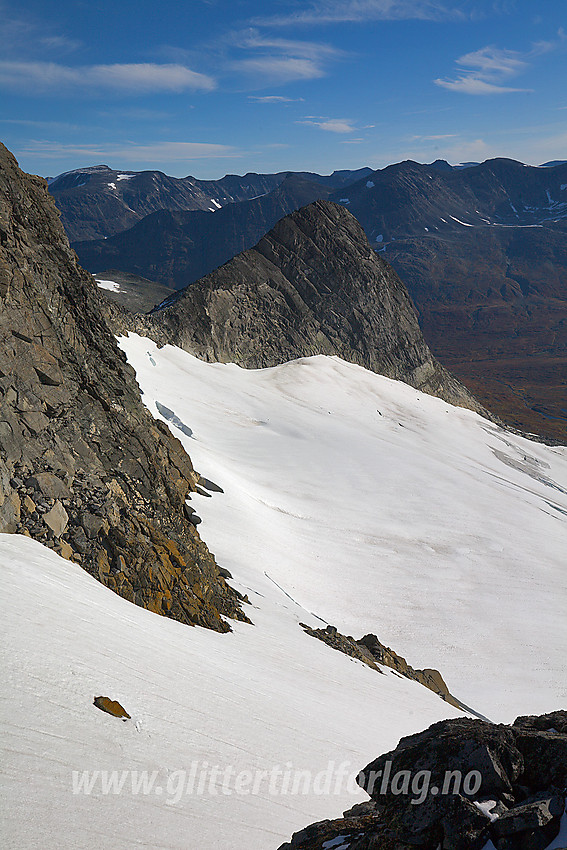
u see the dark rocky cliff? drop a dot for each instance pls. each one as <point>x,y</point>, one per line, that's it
<point>83,466</point>
<point>456,786</point>
<point>312,285</point>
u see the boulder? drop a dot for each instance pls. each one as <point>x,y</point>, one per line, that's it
<point>49,485</point>
<point>111,706</point>
<point>57,519</point>
<point>530,816</point>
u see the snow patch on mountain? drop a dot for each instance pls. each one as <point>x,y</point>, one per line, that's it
<point>110,285</point>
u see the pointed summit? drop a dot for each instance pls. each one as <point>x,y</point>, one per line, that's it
<point>312,285</point>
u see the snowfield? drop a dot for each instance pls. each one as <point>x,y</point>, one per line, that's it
<point>382,509</point>
<point>349,499</point>
<point>111,285</point>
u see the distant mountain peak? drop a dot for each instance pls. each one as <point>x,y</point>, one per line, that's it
<point>312,285</point>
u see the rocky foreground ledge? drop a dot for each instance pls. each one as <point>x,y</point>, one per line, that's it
<point>457,786</point>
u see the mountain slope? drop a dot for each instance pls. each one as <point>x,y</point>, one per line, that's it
<point>98,202</point>
<point>311,285</point>
<point>177,248</point>
<point>83,468</point>
<point>483,252</point>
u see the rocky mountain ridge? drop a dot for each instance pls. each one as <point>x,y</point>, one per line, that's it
<point>312,285</point>
<point>373,652</point>
<point>84,468</point>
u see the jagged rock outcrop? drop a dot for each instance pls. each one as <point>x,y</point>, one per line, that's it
<point>83,466</point>
<point>372,652</point>
<point>312,285</point>
<point>456,786</point>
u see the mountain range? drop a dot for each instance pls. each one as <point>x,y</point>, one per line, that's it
<point>99,201</point>
<point>482,250</point>
<point>176,248</point>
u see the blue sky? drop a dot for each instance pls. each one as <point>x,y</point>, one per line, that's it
<point>208,87</point>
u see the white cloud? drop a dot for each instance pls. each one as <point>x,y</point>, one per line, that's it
<point>159,151</point>
<point>339,11</point>
<point>274,98</point>
<point>491,63</point>
<point>486,71</point>
<point>473,85</point>
<point>436,138</point>
<point>274,61</point>
<point>331,125</point>
<point>276,70</point>
<point>51,78</point>
<point>252,39</point>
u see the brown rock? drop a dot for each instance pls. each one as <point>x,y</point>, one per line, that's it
<point>66,551</point>
<point>49,485</point>
<point>111,706</point>
<point>57,519</point>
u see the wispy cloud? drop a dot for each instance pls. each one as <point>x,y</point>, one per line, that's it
<point>436,138</point>
<point>47,78</point>
<point>473,85</point>
<point>274,61</point>
<point>130,151</point>
<point>358,11</point>
<point>253,39</point>
<point>24,35</point>
<point>486,71</point>
<point>39,125</point>
<point>60,43</point>
<point>334,125</point>
<point>277,70</point>
<point>331,125</point>
<point>274,98</point>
